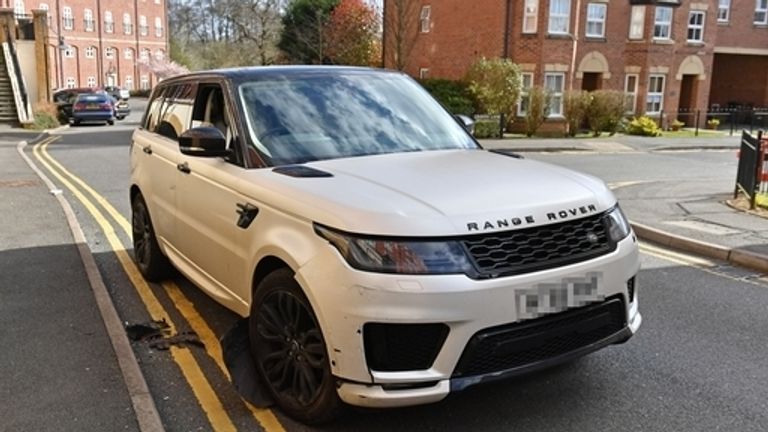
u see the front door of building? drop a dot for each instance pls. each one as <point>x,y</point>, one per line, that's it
<point>687,107</point>
<point>591,81</point>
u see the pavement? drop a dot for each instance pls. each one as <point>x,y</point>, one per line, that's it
<point>71,367</point>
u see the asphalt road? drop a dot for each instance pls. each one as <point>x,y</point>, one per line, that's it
<point>698,362</point>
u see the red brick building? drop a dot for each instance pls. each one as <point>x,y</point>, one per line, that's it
<point>100,42</point>
<point>665,54</point>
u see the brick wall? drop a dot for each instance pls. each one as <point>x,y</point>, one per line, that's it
<point>87,62</point>
<point>462,31</point>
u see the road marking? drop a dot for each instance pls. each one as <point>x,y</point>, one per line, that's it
<point>706,227</point>
<point>702,264</point>
<point>622,184</point>
<point>676,257</point>
<point>192,372</point>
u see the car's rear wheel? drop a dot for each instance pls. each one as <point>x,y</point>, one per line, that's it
<point>153,265</point>
<point>110,122</point>
<point>76,122</point>
<point>290,352</point>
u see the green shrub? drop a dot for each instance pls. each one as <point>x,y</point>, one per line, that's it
<point>644,126</point>
<point>538,109</point>
<point>454,95</point>
<point>495,84</point>
<point>605,111</point>
<point>487,129</point>
<point>575,106</point>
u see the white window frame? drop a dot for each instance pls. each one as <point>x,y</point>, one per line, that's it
<point>555,94</point>
<point>723,11</point>
<point>160,55</point>
<point>69,52</point>
<point>90,52</point>
<point>109,53</point>
<point>158,27</point>
<point>526,82</point>
<point>67,18</point>
<point>695,32</point>
<point>109,22</point>
<point>128,83</point>
<point>144,82</point>
<point>128,53</point>
<point>143,27</point>
<point>637,23</point>
<point>559,19</point>
<point>71,83</point>
<point>761,12</point>
<point>596,14</point>
<point>91,82</point>
<point>423,72</point>
<point>88,23</point>
<point>424,18</point>
<point>662,25</point>
<point>127,24</point>
<point>530,16</point>
<point>144,54</point>
<point>630,92</point>
<point>18,8</point>
<point>657,95</point>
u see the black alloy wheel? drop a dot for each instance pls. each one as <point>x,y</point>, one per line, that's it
<point>153,265</point>
<point>290,351</point>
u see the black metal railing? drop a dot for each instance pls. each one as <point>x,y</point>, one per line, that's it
<point>749,174</point>
<point>724,119</point>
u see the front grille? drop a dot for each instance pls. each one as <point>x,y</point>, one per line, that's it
<point>402,347</point>
<point>522,344</point>
<point>539,248</point>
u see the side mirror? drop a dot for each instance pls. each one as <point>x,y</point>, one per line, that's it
<point>204,141</point>
<point>467,122</point>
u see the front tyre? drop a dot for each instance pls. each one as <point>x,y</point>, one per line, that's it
<point>153,265</point>
<point>290,351</point>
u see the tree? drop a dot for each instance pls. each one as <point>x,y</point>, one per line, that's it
<point>303,36</point>
<point>575,106</point>
<point>606,109</point>
<point>538,109</point>
<point>220,33</point>
<point>496,85</point>
<point>400,29</point>
<point>162,67</point>
<point>350,33</point>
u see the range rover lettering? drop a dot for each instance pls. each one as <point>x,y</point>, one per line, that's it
<point>382,257</point>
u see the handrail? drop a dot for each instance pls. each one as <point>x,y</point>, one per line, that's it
<point>20,96</point>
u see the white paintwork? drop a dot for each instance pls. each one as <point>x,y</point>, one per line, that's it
<point>415,194</point>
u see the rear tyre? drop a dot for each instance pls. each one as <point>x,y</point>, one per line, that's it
<point>153,265</point>
<point>76,122</point>
<point>290,352</point>
<point>110,122</point>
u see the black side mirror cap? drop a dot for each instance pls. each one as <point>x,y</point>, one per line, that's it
<point>467,122</point>
<point>204,141</point>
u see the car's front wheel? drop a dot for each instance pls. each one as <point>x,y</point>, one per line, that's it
<point>153,265</point>
<point>290,352</point>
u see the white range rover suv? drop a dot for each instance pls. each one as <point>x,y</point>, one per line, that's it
<point>382,257</point>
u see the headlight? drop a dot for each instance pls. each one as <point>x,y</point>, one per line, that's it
<point>618,226</point>
<point>383,255</point>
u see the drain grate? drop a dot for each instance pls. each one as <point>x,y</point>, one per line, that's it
<point>19,183</point>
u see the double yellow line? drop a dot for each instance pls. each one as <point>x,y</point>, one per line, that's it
<point>201,387</point>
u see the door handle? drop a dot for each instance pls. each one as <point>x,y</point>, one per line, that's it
<point>147,150</point>
<point>183,167</point>
<point>247,214</point>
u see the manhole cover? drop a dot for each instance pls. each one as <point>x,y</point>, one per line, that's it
<point>19,183</point>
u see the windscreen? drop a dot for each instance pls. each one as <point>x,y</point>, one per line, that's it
<point>302,118</point>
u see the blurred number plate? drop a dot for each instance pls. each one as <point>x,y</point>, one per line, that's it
<point>549,298</point>
<point>91,106</point>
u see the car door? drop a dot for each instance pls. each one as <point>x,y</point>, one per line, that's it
<point>207,205</point>
<point>168,116</point>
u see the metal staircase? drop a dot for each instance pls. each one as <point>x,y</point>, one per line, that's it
<point>8,113</point>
